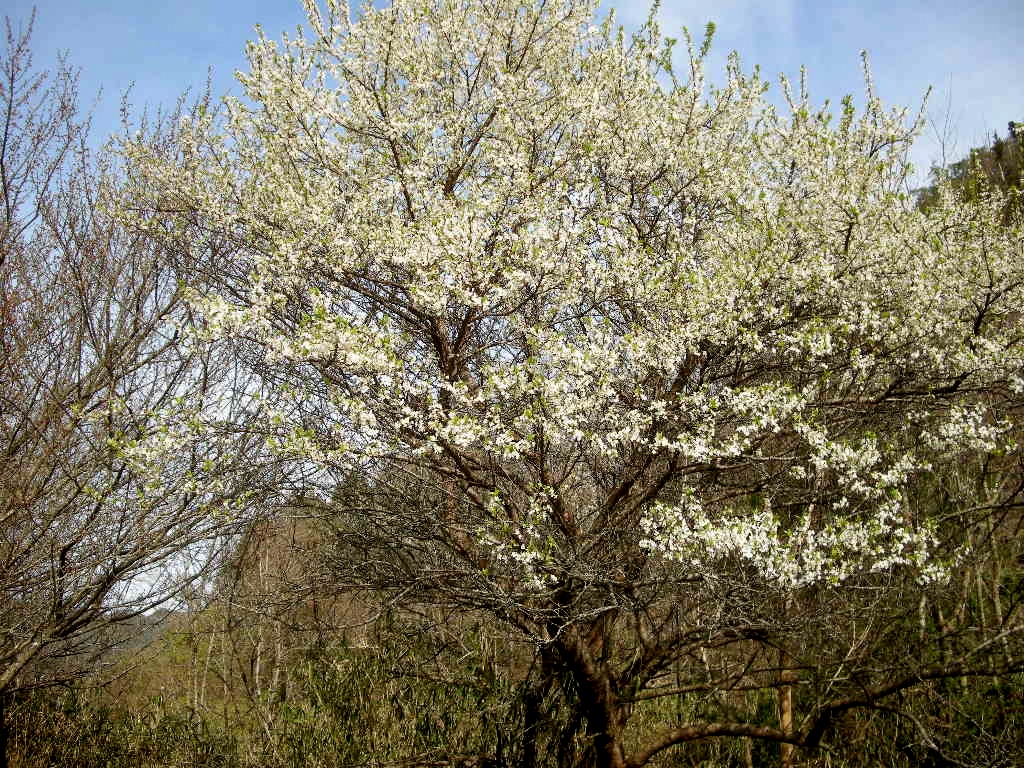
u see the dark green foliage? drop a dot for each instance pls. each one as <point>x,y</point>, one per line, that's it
<point>361,705</point>
<point>407,700</point>
<point>998,165</point>
<point>392,702</point>
<point>964,722</point>
<point>75,729</point>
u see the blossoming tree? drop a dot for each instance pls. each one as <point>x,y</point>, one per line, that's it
<point>662,377</point>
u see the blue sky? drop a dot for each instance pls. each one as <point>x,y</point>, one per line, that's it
<point>971,52</point>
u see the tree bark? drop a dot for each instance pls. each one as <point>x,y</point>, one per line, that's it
<point>604,718</point>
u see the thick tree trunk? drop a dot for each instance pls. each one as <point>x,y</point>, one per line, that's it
<point>605,732</point>
<point>605,719</point>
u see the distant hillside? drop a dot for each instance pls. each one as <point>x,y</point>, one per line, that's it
<point>998,164</point>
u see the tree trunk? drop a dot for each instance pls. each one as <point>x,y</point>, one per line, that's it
<point>604,718</point>
<point>606,737</point>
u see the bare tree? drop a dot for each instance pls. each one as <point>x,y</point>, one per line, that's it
<point>118,487</point>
